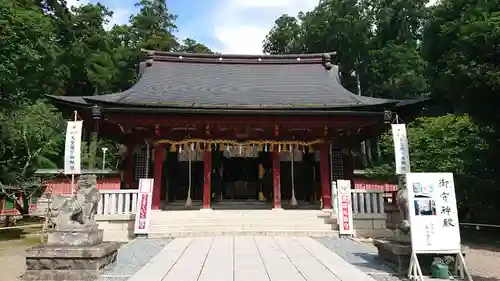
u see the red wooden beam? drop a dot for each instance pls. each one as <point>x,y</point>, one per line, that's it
<point>212,119</point>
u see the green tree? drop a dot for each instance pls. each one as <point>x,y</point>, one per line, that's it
<point>28,57</point>
<point>460,44</point>
<point>31,137</point>
<point>154,25</point>
<point>192,46</point>
<point>284,37</point>
<point>450,143</point>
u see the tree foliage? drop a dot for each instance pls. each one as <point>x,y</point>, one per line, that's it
<point>48,48</point>
<point>461,44</point>
<point>31,137</point>
<point>377,40</point>
<point>405,49</point>
<point>449,143</point>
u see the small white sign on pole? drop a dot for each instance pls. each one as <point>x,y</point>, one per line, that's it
<point>72,152</point>
<point>401,149</point>
<point>433,215</point>
<point>142,217</point>
<point>345,219</point>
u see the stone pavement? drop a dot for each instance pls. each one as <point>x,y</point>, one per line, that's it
<point>247,258</point>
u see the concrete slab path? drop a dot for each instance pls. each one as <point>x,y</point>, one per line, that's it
<point>247,258</point>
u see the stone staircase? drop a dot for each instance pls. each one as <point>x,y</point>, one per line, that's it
<point>179,223</point>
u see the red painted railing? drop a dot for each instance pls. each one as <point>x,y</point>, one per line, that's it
<point>374,185</point>
<point>63,185</point>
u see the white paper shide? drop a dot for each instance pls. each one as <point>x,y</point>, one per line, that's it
<point>72,152</point>
<point>433,213</point>
<point>401,150</point>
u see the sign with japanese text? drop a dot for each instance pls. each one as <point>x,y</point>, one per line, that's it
<point>72,151</point>
<point>401,150</point>
<point>345,219</point>
<point>142,215</point>
<point>433,213</point>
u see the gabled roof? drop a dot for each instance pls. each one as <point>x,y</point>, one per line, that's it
<point>182,80</point>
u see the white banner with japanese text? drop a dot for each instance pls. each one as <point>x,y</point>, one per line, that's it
<point>72,151</point>
<point>401,149</point>
<point>433,215</point>
<point>345,219</point>
<point>142,216</point>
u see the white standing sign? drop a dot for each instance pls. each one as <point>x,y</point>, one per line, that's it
<point>345,219</point>
<point>434,225</point>
<point>142,216</point>
<point>72,152</point>
<point>401,150</point>
<point>433,213</point>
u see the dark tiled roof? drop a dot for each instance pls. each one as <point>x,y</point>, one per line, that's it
<point>238,81</point>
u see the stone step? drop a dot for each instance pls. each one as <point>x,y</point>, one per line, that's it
<point>204,221</point>
<point>235,227</point>
<point>237,214</point>
<point>310,233</point>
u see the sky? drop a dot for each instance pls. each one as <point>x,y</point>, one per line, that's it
<point>226,26</point>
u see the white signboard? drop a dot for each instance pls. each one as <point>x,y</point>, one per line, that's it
<point>345,219</point>
<point>142,216</point>
<point>72,152</point>
<point>401,150</point>
<point>433,213</point>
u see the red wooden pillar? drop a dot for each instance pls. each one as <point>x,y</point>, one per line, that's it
<point>158,169</point>
<point>276,180</point>
<point>207,171</point>
<point>326,191</point>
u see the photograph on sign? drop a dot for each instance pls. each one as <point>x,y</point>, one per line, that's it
<point>433,213</point>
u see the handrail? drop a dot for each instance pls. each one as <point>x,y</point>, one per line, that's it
<point>119,191</point>
<point>477,225</point>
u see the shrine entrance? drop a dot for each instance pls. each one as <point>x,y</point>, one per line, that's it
<point>241,176</point>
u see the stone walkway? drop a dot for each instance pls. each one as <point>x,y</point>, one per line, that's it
<point>247,258</point>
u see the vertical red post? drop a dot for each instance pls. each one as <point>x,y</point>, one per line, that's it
<point>276,180</point>
<point>326,191</point>
<point>207,171</point>
<point>158,169</point>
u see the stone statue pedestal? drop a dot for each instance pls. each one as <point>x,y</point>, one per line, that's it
<point>70,254</point>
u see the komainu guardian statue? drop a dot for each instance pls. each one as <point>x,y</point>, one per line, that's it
<point>402,203</point>
<point>78,211</point>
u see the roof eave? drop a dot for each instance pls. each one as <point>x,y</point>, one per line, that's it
<point>253,111</point>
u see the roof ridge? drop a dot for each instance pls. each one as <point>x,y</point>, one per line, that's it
<point>316,58</point>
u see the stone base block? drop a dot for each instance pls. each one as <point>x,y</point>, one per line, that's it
<point>399,254</point>
<point>50,262</point>
<point>75,237</point>
<point>61,275</point>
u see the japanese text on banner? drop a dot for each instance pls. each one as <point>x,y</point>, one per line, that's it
<point>72,153</point>
<point>401,149</point>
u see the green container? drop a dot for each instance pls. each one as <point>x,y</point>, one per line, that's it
<point>439,270</point>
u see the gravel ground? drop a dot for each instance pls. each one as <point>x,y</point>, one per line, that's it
<point>484,263</point>
<point>131,257</point>
<point>361,255</point>
<point>12,257</point>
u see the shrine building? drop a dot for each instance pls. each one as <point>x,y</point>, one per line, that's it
<point>212,128</point>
